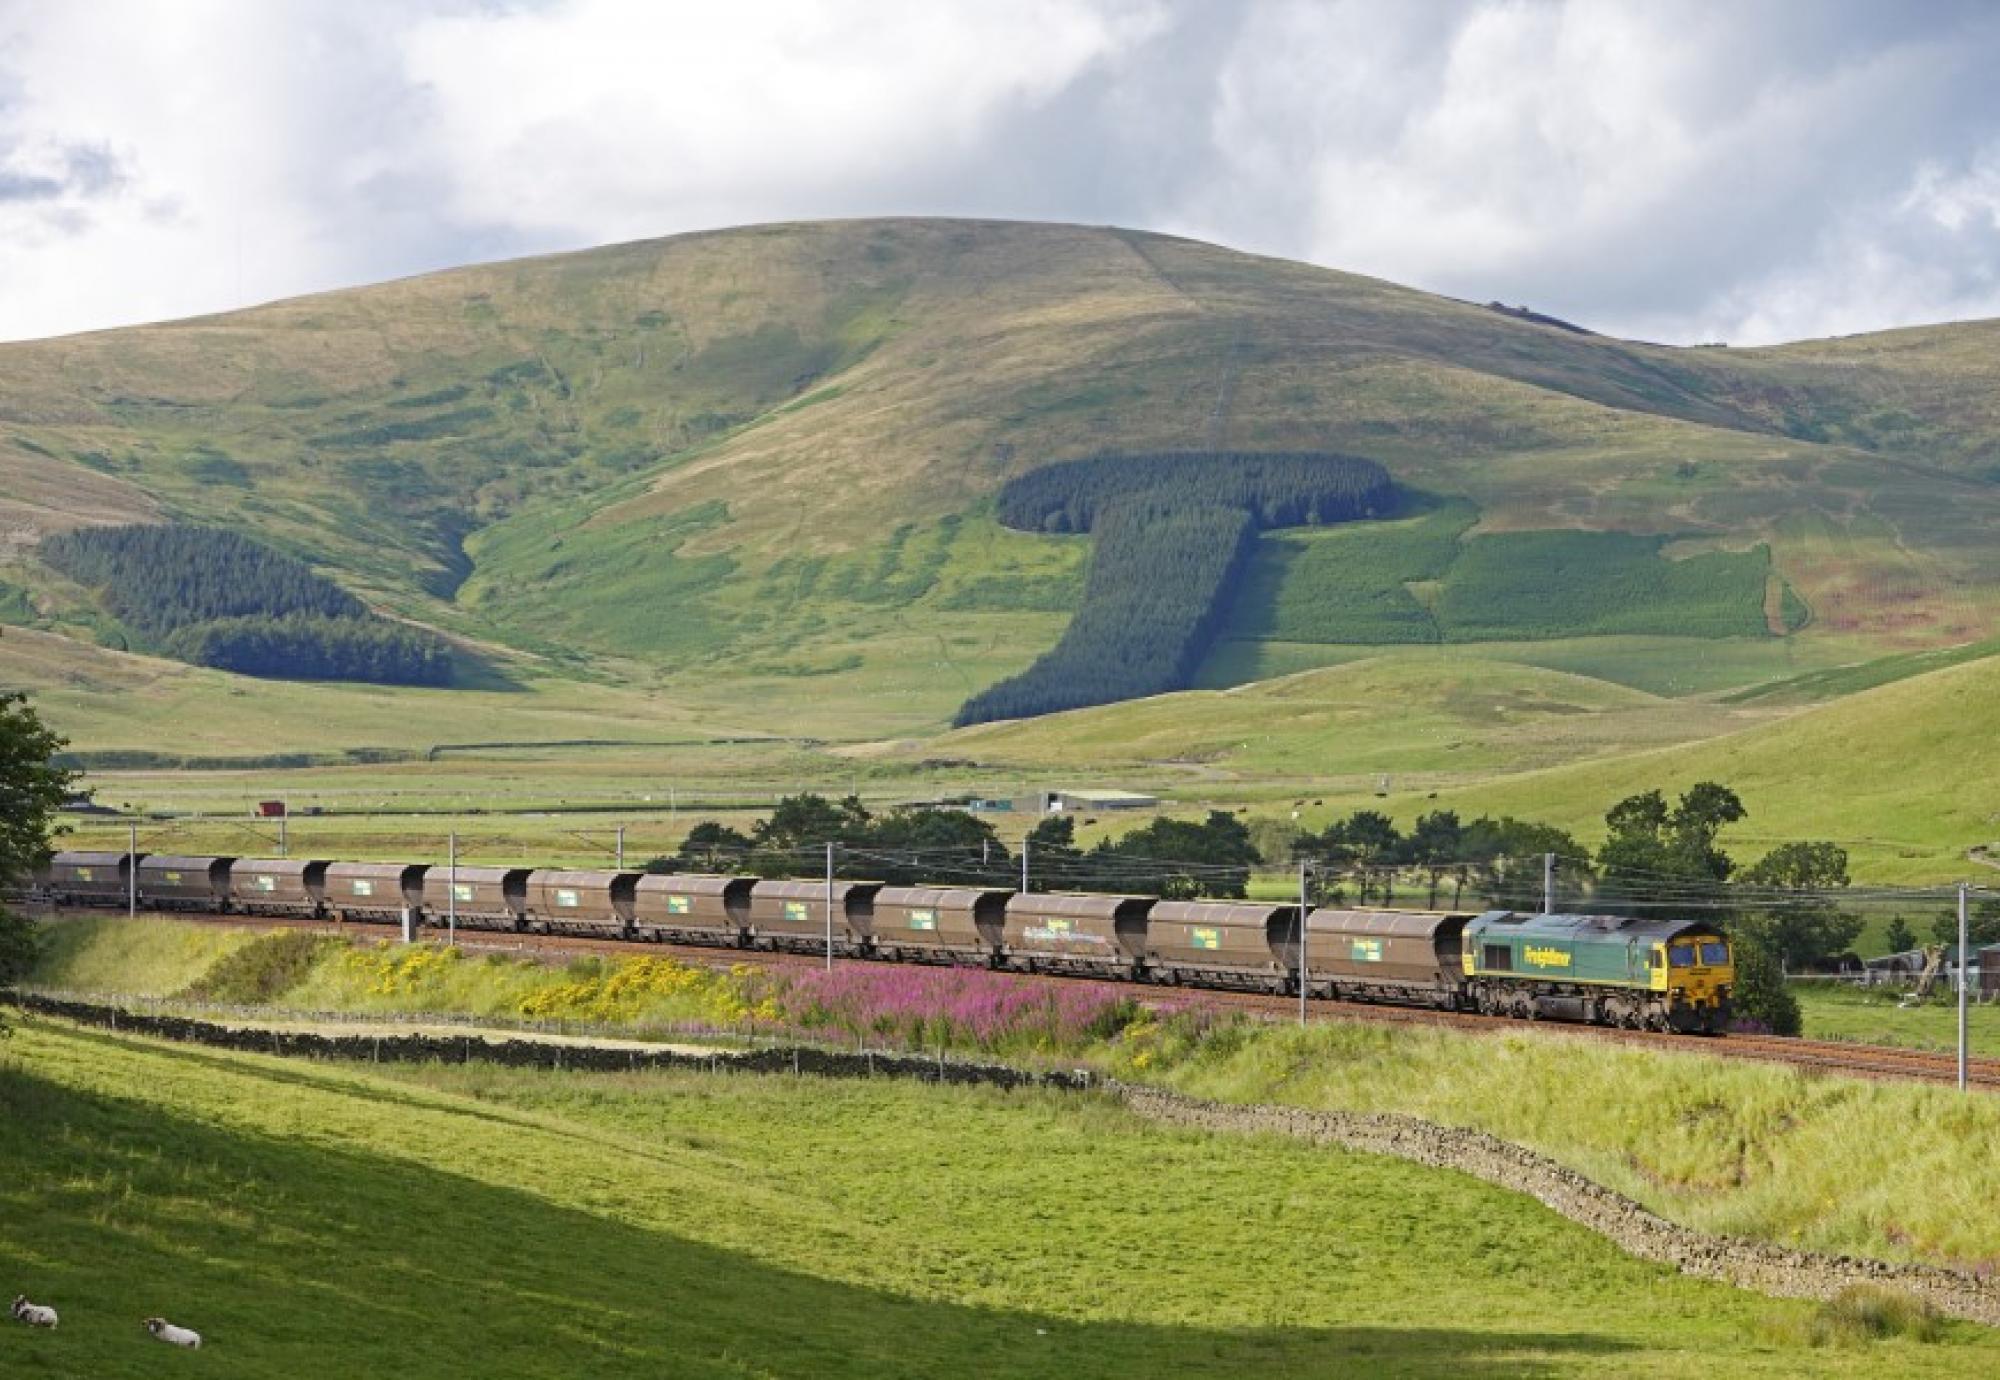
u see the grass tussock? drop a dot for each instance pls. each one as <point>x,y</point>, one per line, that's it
<point>263,970</point>
<point>1857,1315</point>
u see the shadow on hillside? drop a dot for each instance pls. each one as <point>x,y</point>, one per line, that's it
<point>296,1259</point>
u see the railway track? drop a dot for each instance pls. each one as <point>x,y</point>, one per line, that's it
<point>1829,1056</point>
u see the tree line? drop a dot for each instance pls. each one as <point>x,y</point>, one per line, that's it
<point>1277,489</point>
<point>372,650</point>
<point>1175,859</point>
<point>213,597</point>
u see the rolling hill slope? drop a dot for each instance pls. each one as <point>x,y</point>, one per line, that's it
<point>1906,776</point>
<point>752,469</point>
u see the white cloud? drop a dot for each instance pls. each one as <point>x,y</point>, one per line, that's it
<point>1666,168</point>
<point>608,119</point>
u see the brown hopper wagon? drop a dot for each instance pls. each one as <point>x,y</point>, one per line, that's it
<point>1232,943</point>
<point>693,909</point>
<point>948,924</point>
<point>1078,934</point>
<point>1402,956</point>
<point>278,886</point>
<point>375,892</point>
<point>484,898</point>
<point>168,881</point>
<point>793,915</point>
<point>580,902</point>
<point>89,878</point>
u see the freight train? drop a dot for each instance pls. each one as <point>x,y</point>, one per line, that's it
<point>1607,970</point>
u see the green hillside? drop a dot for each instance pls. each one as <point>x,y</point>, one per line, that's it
<point>1902,775</point>
<point>764,457</point>
<point>717,514</point>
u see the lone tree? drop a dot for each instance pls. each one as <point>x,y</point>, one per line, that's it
<point>1798,920</point>
<point>32,788</point>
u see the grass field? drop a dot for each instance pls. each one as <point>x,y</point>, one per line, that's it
<point>1829,1163</point>
<point>1836,1011</point>
<point>323,1219</point>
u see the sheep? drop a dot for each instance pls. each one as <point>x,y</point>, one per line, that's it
<point>171,1335</point>
<point>33,1314</point>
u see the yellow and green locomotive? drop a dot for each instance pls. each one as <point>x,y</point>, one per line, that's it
<point>1641,974</point>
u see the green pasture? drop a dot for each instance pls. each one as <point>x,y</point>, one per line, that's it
<point>325,1218</point>
<point>1675,667</point>
<point>1422,579</point>
<point>1873,1016</point>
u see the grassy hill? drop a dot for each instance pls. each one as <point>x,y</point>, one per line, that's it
<point>764,455</point>
<point>735,488</point>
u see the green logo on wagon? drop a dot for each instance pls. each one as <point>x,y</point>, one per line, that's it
<point>1364,951</point>
<point>923,919</point>
<point>1204,939</point>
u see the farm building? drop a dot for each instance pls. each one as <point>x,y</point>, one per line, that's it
<point>1057,802</point>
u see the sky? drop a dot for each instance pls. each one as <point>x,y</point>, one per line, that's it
<point>1672,170</point>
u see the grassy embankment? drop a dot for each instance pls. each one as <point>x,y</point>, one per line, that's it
<point>1891,1170</point>
<point>341,1220</point>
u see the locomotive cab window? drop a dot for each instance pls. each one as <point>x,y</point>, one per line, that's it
<point>1714,953</point>
<point>1499,957</point>
<point>1683,955</point>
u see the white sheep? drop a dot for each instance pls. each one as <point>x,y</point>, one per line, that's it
<point>33,1314</point>
<point>171,1335</point>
